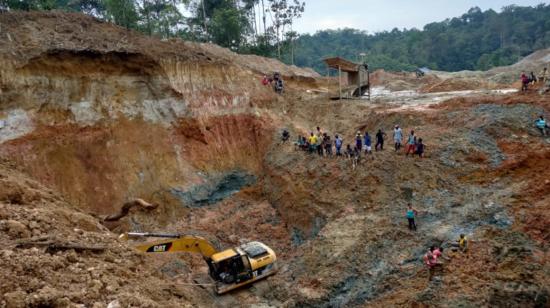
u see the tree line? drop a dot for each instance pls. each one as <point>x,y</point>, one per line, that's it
<point>477,40</point>
<point>263,27</point>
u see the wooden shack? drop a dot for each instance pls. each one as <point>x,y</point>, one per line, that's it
<point>353,79</point>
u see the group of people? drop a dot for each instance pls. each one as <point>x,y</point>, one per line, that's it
<point>414,145</point>
<point>276,81</point>
<point>526,80</point>
<point>322,143</point>
<point>434,253</point>
<point>432,258</point>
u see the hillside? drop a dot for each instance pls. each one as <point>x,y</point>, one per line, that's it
<point>95,116</point>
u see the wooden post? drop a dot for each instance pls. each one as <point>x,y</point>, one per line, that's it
<point>359,89</point>
<point>340,82</point>
<point>328,81</point>
<point>368,82</point>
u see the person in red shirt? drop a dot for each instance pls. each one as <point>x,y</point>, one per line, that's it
<point>265,80</point>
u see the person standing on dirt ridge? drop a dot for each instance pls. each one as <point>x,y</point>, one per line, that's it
<point>312,142</point>
<point>524,82</point>
<point>320,143</point>
<point>419,148</point>
<point>338,144</point>
<point>397,137</point>
<point>541,125</point>
<point>411,214</point>
<point>327,144</point>
<point>532,78</point>
<point>380,140</point>
<point>411,144</point>
<point>349,151</point>
<point>368,145</point>
<point>358,142</point>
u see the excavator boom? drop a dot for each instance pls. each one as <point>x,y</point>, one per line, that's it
<point>176,243</point>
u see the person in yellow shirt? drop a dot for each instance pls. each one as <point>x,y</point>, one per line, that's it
<point>461,244</point>
<point>312,142</point>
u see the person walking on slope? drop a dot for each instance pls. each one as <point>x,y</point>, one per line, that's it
<point>368,145</point>
<point>430,261</point>
<point>419,148</point>
<point>524,82</point>
<point>411,144</point>
<point>358,142</point>
<point>338,144</point>
<point>411,214</point>
<point>540,123</point>
<point>397,137</point>
<point>380,140</point>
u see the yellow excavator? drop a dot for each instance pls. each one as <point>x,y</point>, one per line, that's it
<point>231,268</point>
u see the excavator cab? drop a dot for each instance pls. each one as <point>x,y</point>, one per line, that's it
<point>239,266</point>
<point>231,268</point>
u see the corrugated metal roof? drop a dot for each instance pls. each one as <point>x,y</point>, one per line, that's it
<point>345,65</point>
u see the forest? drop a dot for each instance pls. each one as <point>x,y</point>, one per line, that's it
<point>477,40</point>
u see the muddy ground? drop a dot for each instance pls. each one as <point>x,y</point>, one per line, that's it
<point>95,118</point>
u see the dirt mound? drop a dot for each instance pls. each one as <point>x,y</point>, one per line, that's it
<point>29,34</point>
<point>456,84</point>
<point>55,255</point>
<point>400,81</point>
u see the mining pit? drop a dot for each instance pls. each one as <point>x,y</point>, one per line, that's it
<point>94,118</point>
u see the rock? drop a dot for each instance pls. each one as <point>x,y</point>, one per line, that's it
<point>33,225</point>
<point>72,257</point>
<point>15,299</point>
<point>16,229</point>
<point>114,304</point>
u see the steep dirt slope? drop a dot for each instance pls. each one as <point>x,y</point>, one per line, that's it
<point>104,114</point>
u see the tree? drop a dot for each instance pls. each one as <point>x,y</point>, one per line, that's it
<point>283,14</point>
<point>227,27</point>
<point>121,12</point>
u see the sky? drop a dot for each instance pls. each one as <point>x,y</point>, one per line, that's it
<point>379,15</point>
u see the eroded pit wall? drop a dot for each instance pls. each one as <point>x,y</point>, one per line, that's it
<point>105,127</point>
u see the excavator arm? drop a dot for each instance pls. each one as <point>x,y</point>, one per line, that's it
<point>175,243</point>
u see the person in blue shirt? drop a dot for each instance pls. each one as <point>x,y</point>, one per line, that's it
<point>338,143</point>
<point>540,123</point>
<point>368,145</point>
<point>411,214</point>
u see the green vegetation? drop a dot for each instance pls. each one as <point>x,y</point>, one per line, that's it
<point>475,41</point>
<point>262,27</point>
